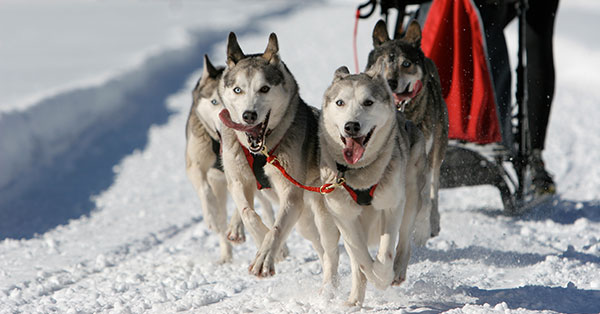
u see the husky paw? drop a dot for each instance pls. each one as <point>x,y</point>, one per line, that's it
<point>400,277</point>
<point>398,281</point>
<point>236,234</point>
<point>353,303</point>
<point>383,275</point>
<point>263,265</point>
<point>421,235</point>
<point>225,260</point>
<point>283,253</point>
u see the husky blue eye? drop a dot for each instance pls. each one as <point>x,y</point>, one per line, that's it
<point>214,102</point>
<point>237,90</point>
<point>339,102</point>
<point>368,103</point>
<point>265,89</point>
<point>406,63</point>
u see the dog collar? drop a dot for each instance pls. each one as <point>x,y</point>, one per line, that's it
<point>361,197</point>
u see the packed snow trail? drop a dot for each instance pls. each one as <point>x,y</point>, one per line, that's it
<point>143,247</point>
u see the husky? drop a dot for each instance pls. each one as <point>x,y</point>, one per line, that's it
<point>264,118</point>
<point>416,87</point>
<point>376,158</point>
<point>203,161</point>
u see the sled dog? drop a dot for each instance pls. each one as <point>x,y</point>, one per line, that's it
<point>264,115</point>
<point>377,159</point>
<point>415,84</point>
<point>203,161</point>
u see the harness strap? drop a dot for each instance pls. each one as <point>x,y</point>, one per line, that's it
<point>257,163</point>
<point>323,189</point>
<point>361,197</point>
<point>216,148</point>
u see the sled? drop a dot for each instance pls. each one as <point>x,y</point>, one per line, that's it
<point>478,152</point>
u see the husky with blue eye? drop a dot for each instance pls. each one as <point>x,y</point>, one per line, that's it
<point>265,116</point>
<point>203,162</point>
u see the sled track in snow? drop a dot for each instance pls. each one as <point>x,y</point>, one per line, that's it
<point>62,151</point>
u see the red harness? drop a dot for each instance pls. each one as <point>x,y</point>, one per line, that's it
<point>361,197</point>
<point>257,162</point>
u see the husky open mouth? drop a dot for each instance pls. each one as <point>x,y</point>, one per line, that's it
<point>403,98</point>
<point>354,147</point>
<point>255,134</point>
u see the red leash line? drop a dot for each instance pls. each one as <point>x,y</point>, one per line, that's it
<point>323,189</point>
<point>354,40</point>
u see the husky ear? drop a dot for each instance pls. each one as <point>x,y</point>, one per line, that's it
<point>380,34</point>
<point>234,52</point>
<point>413,34</point>
<point>341,73</point>
<point>209,70</point>
<point>271,53</point>
<point>376,70</point>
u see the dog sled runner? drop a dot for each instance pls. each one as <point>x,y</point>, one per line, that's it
<point>488,145</point>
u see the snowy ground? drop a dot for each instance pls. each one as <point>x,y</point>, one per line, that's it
<point>96,214</point>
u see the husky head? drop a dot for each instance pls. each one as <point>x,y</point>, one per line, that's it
<point>403,61</point>
<point>207,104</point>
<point>358,115</point>
<point>256,91</point>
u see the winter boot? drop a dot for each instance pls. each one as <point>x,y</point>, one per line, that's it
<point>541,180</point>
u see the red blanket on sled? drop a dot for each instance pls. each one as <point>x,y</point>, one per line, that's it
<point>453,37</point>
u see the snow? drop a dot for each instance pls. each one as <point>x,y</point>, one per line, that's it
<point>97,215</point>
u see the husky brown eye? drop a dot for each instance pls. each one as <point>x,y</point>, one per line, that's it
<point>237,90</point>
<point>339,102</point>
<point>406,64</point>
<point>214,102</point>
<point>264,89</point>
<point>368,103</point>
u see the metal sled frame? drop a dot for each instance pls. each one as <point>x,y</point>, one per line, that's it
<point>468,164</point>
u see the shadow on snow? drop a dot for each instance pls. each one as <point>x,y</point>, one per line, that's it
<point>57,188</point>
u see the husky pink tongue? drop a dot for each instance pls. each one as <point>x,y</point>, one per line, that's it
<point>226,119</point>
<point>353,150</point>
<point>398,98</point>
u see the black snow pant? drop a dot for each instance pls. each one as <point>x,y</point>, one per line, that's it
<point>496,14</point>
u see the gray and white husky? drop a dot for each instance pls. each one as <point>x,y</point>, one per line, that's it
<point>265,114</point>
<point>415,83</point>
<point>378,159</point>
<point>203,161</point>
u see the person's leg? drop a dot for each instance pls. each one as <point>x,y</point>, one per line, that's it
<point>540,66</point>
<point>493,16</point>
<point>540,80</point>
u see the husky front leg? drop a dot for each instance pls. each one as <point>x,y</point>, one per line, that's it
<point>212,208</point>
<point>417,204</point>
<point>243,197</point>
<point>330,237</point>
<point>265,197</point>
<point>359,284</point>
<point>291,204</point>
<point>355,241</point>
<point>384,265</point>
<point>218,186</point>
<point>434,195</point>
<point>235,231</point>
